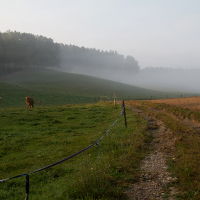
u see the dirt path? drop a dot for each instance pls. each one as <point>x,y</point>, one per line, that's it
<point>154,177</point>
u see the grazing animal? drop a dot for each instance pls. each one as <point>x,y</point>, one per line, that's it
<point>0,99</point>
<point>29,102</point>
<point>40,101</point>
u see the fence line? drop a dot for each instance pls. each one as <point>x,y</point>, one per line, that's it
<point>97,142</point>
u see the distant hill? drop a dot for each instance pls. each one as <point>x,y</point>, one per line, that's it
<point>27,51</point>
<point>55,88</point>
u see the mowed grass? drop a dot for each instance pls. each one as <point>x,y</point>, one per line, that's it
<point>32,139</point>
<point>185,162</point>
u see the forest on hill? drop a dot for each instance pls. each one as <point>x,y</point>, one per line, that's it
<point>23,50</point>
<point>20,51</point>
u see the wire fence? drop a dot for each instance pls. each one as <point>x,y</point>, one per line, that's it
<point>97,142</point>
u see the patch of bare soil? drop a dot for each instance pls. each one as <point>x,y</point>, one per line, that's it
<point>154,178</point>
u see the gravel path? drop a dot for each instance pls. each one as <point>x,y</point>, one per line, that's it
<point>154,177</point>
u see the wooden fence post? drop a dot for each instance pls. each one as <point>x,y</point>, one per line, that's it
<point>114,100</point>
<point>100,96</point>
<point>124,113</point>
<point>27,187</point>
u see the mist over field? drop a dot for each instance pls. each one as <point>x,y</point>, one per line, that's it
<point>24,51</point>
<point>114,40</point>
<point>162,79</point>
<point>82,63</point>
<point>186,80</point>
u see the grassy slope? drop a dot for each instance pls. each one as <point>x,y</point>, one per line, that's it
<point>31,139</point>
<point>14,96</point>
<point>57,88</point>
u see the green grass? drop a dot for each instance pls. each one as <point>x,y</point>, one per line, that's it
<point>56,88</point>
<point>14,96</point>
<point>31,139</point>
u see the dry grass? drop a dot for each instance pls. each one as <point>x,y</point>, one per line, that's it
<point>185,163</point>
<point>192,103</point>
<point>180,107</point>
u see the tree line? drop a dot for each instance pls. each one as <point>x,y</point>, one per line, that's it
<point>24,50</point>
<point>81,57</point>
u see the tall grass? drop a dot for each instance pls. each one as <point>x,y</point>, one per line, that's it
<point>31,139</point>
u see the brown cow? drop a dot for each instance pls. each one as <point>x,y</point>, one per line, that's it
<point>40,101</point>
<point>29,102</point>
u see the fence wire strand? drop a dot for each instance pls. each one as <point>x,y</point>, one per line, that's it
<point>97,142</point>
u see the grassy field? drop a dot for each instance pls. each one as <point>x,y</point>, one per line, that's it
<point>182,116</point>
<point>56,88</point>
<point>70,119</point>
<point>31,139</point>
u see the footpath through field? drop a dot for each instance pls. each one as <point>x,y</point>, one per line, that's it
<point>172,122</point>
<point>154,178</point>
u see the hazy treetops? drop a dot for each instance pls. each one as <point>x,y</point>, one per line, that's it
<point>20,51</point>
<point>24,50</point>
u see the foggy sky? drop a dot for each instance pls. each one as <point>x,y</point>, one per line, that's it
<point>162,33</point>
